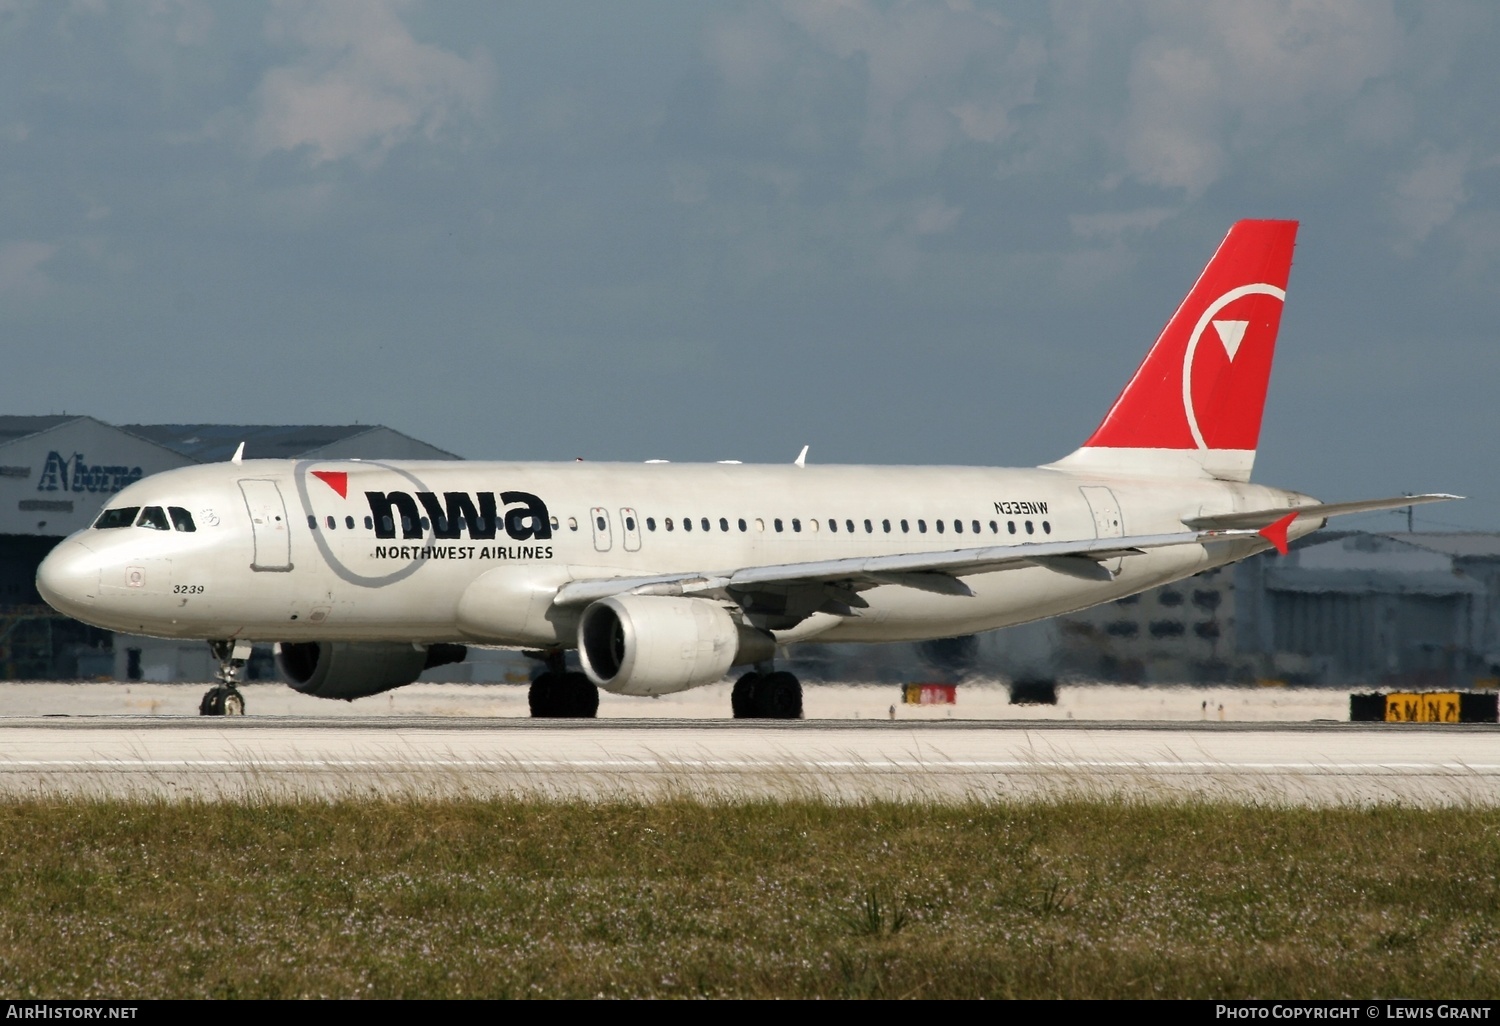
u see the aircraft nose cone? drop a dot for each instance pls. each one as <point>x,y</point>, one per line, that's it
<point>68,578</point>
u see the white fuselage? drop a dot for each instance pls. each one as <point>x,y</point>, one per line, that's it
<point>278,554</point>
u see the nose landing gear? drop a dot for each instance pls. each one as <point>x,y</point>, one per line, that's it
<point>224,699</point>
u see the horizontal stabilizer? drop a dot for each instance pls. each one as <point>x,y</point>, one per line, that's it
<point>1254,520</point>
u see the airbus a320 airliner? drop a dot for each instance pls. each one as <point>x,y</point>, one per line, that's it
<point>665,576</point>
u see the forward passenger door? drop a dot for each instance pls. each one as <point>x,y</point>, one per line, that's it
<point>273,539</point>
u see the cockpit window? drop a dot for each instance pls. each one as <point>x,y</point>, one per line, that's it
<point>122,517</point>
<point>153,517</point>
<point>182,519</point>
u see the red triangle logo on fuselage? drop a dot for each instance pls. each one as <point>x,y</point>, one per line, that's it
<point>338,480</point>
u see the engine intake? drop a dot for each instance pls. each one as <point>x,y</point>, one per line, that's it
<point>350,670</point>
<point>657,644</point>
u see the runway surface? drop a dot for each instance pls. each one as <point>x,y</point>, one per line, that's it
<point>275,757</point>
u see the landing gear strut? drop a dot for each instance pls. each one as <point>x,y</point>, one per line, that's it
<point>224,699</point>
<point>560,693</point>
<point>767,696</point>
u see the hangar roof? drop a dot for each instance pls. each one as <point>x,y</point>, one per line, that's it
<point>214,443</point>
<point>1460,544</point>
<point>12,427</point>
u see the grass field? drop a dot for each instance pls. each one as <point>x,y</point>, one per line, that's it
<point>518,898</point>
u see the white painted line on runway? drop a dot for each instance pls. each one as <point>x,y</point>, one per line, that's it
<point>1006,765</point>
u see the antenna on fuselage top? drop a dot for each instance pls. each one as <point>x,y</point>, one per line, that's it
<point>801,459</point>
<point>239,454</point>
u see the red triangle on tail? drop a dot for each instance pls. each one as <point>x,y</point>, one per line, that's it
<point>338,480</point>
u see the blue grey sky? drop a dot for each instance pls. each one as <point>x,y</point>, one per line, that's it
<point>897,232</point>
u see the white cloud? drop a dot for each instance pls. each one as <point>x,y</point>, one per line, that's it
<point>1109,227</point>
<point>689,184</point>
<point>931,216</point>
<point>930,75</point>
<point>1425,197</point>
<point>361,84</point>
<point>21,267</point>
<point>1213,80</point>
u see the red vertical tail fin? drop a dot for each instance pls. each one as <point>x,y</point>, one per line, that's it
<point>1194,405</point>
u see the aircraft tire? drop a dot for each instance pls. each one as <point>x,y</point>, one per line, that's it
<point>563,696</point>
<point>542,696</point>
<point>582,697</point>
<point>742,698</point>
<point>213,703</point>
<point>233,703</point>
<point>779,697</point>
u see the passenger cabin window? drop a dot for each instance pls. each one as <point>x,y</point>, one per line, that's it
<point>939,526</point>
<point>777,523</point>
<point>122,517</point>
<point>332,523</point>
<point>668,523</point>
<point>849,525</point>
<point>155,518</point>
<point>629,523</point>
<point>833,525</point>
<point>650,523</point>
<point>370,524</point>
<point>885,525</point>
<point>724,523</point>
<point>743,526</point>
<point>181,519</point>
<point>975,525</point>
<point>312,522</point>
<point>599,523</point>
<point>687,524</point>
<point>905,527</point>
<point>797,524</point>
<point>572,523</point>
<point>349,523</point>
<point>704,522</point>
<point>869,527</point>
<point>921,527</point>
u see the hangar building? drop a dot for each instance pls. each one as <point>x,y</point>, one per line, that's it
<point>1350,608</point>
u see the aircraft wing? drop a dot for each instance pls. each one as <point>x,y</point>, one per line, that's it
<point>1259,518</point>
<point>937,572</point>
<point>942,572</point>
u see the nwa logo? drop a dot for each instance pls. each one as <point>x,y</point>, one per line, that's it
<point>521,515</point>
<point>75,475</point>
<point>1233,358</point>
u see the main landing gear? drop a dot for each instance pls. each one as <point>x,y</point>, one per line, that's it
<point>767,696</point>
<point>560,693</point>
<point>224,699</point>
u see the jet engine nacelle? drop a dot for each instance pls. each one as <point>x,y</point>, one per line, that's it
<point>657,644</point>
<point>350,670</point>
